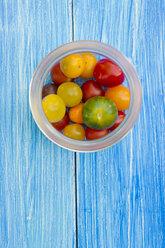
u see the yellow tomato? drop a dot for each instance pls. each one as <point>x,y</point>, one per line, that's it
<point>72,66</point>
<point>74,131</point>
<point>71,93</point>
<point>90,63</point>
<point>54,107</point>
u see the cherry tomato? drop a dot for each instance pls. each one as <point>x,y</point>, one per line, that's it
<point>92,134</point>
<point>120,95</point>
<point>49,89</point>
<point>120,118</point>
<point>107,73</point>
<point>57,76</point>
<point>61,124</point>
<point>99,112</point>
<point>90,63</point>
<point>74,131</point>
<point>71,94</point>
<point>90,89</point>
<point>73,65</point>
<point>75,113</point>
<point>54,107</point>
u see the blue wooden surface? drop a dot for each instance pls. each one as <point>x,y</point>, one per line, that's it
<point>118,199</point>
<point>37,193</point>
<point>121,193</point>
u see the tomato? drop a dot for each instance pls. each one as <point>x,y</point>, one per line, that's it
<point>62,123</point>
<point>54,107</point>
<point>49,89</point>
<point>120,95</point>
<point>107,73</point>
<point>120,118</point>
<point>90,63</point>
<point>75,113</point>
<point>74,131</point>
<point>57,76</point>
<point>72,66</point>
<point>90,89</point>
<point>99,112</point>
<point>92,134</point>
<point>71,93</point>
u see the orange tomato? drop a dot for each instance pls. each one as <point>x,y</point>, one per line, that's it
<point>90,63</point>
<point>120,95</point>
<point>75,113</point>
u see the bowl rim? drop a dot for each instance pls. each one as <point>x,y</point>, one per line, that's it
<point>44,68</point>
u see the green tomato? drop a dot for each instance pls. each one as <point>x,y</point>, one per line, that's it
<point>99,112</point>
<point>71,93</point>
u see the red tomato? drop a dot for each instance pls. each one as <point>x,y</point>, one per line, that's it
<point>92,134</point>
<point>107,73</point>
<point>49,89</point>
<point>57,76</point>
<point>91,88</point>
<point>120,118</point>
<point>61,124</point>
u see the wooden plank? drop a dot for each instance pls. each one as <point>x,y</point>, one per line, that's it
<point>37,183</point>
<point>121,194</point>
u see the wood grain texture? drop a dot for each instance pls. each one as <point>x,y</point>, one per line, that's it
<point>120,191</point>
<point>121,197</point>
<point>37,178</point>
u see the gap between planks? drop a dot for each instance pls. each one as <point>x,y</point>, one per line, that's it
<point>71,10</point>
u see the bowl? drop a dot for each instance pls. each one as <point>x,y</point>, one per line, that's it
<point>40,76</point>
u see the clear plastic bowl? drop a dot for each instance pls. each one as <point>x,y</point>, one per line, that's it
<point>78,47</point>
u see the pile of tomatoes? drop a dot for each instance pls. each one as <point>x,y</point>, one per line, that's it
<point>92,110</point>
